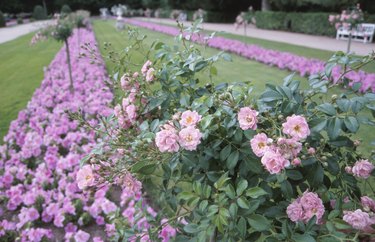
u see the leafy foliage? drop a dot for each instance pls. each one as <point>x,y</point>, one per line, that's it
<point>219,190</point>
<point>39,13</point>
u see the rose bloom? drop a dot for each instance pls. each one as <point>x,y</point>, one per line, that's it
<point>289,148</point>
<point>296,126</point>
<point>295,211</point>
<point>190,118</point>
<point>363,168</point>
<point>167,140</point>
<point>305,207</point>
<point>274,162</point>
<point>190,138</point>
<point>259,144</point>
<point>247,118</point>
<point>81,236</point>
<point>349,169</point>
<point>125,82</point>
<point>368,203</point>
<point>145,67</point>
<point>312,205</point>
<point>296,162</point>
<point>150,75</point>
<point>85,177</point>
<point>357,219</point>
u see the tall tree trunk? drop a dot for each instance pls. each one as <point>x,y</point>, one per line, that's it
<point>71,87</point>
<point>266,5</point>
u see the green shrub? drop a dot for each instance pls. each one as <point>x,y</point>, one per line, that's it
<point>271,20</point>
<point>220,17</point>
<point>2,20</point>
<point>369,18</point>
<point>310,23</point>
<point>19,20</point>
<point>39,13</point>
<point>307,23</point>
<point>65,9</point>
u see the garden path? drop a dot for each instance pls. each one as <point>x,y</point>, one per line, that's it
<point>311,41</point>
<point>10,33</point>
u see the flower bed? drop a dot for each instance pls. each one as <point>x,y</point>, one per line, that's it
<point>282,60</point>
<point>39,196</point>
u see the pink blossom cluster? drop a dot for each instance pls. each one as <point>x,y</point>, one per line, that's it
<point>42,150</point>
<point>362,169</point>
<point>283,60</point>
<point>188,137</point>
<point>305,207</point>
<point>362,219</point>
<point>247,118</point>
<point>347,18</point>
<point>276,155</point>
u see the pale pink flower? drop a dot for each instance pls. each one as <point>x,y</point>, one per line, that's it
<point>357,219</point>
<point>295,211</point>
<point>368,203</point>
<point>167,232</point>
<point>135,74</point>
<point>81,236</point>
<point>289,148</point>
<point>145,67</point>
<point>296,126</point>
<point>274,162</point>
<point>349,169</point>
<point>247,118</point>
<point>296,162</point>
<point>259,144</point>
<point>85,177</point>
<point>150,75</point>
<point>190,138</point>
<point>125,82</point>
<point>311,151</point>
<point>305,207</point>
<point>363,169</point>
<point>312,205</point>
<point>190,118</point>
<point>167,140</point>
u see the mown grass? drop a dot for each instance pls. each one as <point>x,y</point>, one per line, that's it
<point>21,72</point>
<point>240,69</point>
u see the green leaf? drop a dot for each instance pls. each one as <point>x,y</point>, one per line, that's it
<point>224,153</point>
<point>294,175</point>
<point>334,214</point>
<point>316,175</point>
<point>185,100</point>
<point>241,225</point>
<point>191,228</point>
<point>222,180</point>
<point>320,126</point>
<point>259,222</point>
<point>303,237</point>
<point>233,159</point>
<point>243,203</point>
<point>351,123</point>
<point>343,104</point>
<point>287,189</point>
<point>206,121</point>
<point>213,71</point>
<point>229,190</point>
<point>327,108</point>
<point>334,128</point>
<point>241,187</point>
<point>255,192</point>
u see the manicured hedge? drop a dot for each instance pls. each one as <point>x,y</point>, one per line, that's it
<point>2,20</point>
<point>39,13</point>
<point>271,20</point>
<point>220,17</point>
<point>307,23</point>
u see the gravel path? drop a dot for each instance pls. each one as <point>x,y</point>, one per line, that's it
<point>11,33</point>
<point>311,41</point>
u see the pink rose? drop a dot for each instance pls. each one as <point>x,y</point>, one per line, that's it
<point>125,82</point>
<point>305,207</point>
<point>85,177</point>
<point>295,211</point>
<point>150,75</point>
<point>357,219</point>
<point>259,144</point>
<point>289,148</point>
<point>362,168</point>
<point>167,140</point>
<point>368,204</point>
<point>145,67</point>
<point>190,118</point>
<point>81,236</point>
<point>190,138</point>
<point>349,169</point>
<point>296,162</point>
<point>311,151</point>
<point>274,162</point>
<point>296,126</point>
<point>312,205</point>
<point>247,118</point>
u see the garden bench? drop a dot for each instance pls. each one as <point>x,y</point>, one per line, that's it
<point>362,32</point>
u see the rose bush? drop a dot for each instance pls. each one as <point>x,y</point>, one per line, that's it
<point>223,165</point>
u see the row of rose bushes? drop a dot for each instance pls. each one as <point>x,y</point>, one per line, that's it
<point>40,187</point>
<point>283,60</point>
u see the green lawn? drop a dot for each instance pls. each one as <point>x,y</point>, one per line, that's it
<point>239,69</point>
<point>21,73</point>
